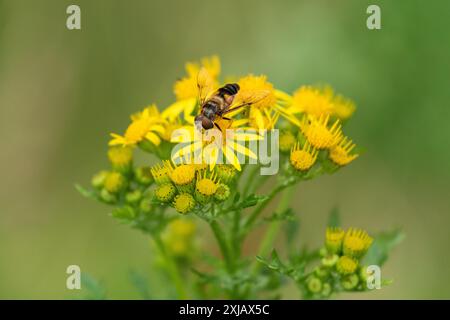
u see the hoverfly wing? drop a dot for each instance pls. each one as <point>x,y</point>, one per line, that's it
<point>245,99</point>
<point>205,85</point>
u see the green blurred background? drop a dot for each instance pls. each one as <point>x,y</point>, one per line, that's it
<point>62,92</point>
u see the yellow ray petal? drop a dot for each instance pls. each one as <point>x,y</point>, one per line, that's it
<point>243,149</point>
<point>158,128</point>
<point>153,138</point>
<point>231,158</point>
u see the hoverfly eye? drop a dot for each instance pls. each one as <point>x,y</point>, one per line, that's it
<point>207,124</point>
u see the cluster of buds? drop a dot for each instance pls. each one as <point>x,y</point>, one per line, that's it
<point>187,187</point>
<point>122,184</point>
<point>341,268</point>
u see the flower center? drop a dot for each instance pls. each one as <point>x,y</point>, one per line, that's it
<point>206,186</point>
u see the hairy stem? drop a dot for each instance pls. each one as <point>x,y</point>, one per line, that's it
<point>220,237</point>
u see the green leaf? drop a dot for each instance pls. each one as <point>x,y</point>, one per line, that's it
<point>237,196</point>
<point>85,192</point>
<point>292,226</point>
<point>334,220</point>
<point>287,214</point>
<point>382,246</point>
<point>251,201</point>
<point>126,213</point>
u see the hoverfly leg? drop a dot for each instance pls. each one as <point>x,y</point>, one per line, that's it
<point>217,126</point>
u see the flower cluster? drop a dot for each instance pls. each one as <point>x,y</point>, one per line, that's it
<point>189,181</point>
<point>189,187</point>
<point>340,268</point>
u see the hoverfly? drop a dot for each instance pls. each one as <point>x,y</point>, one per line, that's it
<point>216,104</point>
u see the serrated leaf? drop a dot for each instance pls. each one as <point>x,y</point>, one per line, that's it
<point>275,262</point>
<point>334,219</point>
<point>382,246</point>
<point>287,214</point>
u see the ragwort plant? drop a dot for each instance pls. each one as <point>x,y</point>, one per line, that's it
<point>166,200</point>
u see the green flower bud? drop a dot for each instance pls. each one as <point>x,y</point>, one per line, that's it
<point>350,282</point>
<point>144,175</point>
<point>346,265</point>
<point>115,182</point>
<point>363,275</point>
<point>133,196</point>
<point>225,172</point>
<point>322,272</point>
<point>222,192</point>
<point>107,196</point>
<point>165,192</point>
<point>98,180</point>
<point>326,290</point>
<point>330,260</point>
<point>314,284</point>
<point>286,141</point>
<point>146,205</point>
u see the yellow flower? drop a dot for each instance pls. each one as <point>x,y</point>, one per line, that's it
<point>343,107</point>
<point>165,192</point>
<point>261,94</point>
<point>183,177</point>
<point>313,101</point>
<point>114,182</point>
<point>304,158</point>
<point>184,203</point>
<point>144,126</point>
<point>356,243</point>
<point>160,172</point>
<point>120,157</point>
<point>187,87</point>
<point>205,187</point>
<point>208,147</point>
<point>318,134</point>
<point>319,101</point>
<point>287,140</point>
<point>346,265</point>
<point>333,239</point>
<point>179,237</point>
<point>184,228</point>
<point>340,153</point>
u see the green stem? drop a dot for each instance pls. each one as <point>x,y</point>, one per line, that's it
<point>250,180</point>
<point>236,235</point>
<point>274,227</point>
<point>258,210</point>
<point>220,237</point>
<point>172,268</point>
